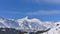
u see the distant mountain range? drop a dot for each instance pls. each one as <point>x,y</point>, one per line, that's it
<point>28,24</point>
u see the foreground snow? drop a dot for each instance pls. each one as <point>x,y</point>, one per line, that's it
<point>55,29</point>
<point>30,25</point>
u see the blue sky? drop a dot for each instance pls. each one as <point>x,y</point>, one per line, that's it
<point>46,10</point>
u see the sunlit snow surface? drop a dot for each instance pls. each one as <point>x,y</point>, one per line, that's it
<point>30,25</point>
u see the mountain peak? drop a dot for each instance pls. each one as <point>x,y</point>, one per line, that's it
<point>26,17</point>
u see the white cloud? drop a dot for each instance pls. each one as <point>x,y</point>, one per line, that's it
<point>44,12</point>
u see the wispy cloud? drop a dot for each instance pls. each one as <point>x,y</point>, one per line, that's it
<point>52,1</point>
<point>11,12</point>
<point>45,12</point>
<point>45,1</point>
<point>40,12</point>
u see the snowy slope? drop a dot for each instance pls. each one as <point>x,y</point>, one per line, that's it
<point>55,29</point>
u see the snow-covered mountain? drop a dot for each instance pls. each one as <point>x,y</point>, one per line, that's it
<point>29,24</point>
<point>24,23</point>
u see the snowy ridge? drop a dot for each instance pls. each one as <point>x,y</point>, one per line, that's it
<point>30,25</point>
